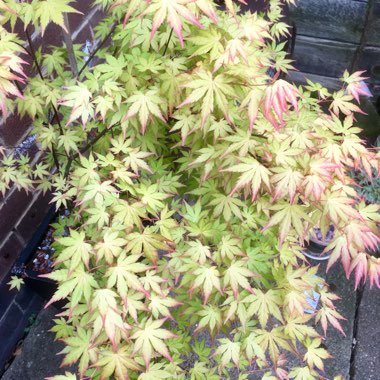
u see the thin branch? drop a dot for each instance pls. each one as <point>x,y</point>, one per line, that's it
<point>38,67</point>
<point>168,41</point>
<point>69,46</point>
<point>93,54</point>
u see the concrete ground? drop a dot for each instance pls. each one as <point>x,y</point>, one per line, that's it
<point>356,356</point>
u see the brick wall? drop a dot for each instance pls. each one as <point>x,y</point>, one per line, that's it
<point>21,212</point>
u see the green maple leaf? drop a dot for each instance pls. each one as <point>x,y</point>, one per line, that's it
<point>47,11</point>
<point>304,373</point>
<point>288,216</point>
<point>254,174</point>
<point>211,316</point>
<point>152,198</point>
<point>159,306</point>
<point>237,275</point>
<point>208,278</point>
<point>150,338</point>
<point>229,351</point>
<point>129,214</point>
<point>146,242</point>
<point>123,274</point>
<point>110,246</point>
<point>315,353</point>
<point>198,252</point>
<point>145,104</point>
<point>15,283</point>
<point>272,341</point>
<point>230,247</point>
<point>297,328</point>
<point>227,205</point>
<point>77,250</point>
<point>264,304</point>
<point>208,41</point>
<point>79,347</point>
<point>79,284</point>
<point>78,99</point>
<point>155,372</point>
<point>116,363</point>
<point>213,90</point>
<point>252,348</point>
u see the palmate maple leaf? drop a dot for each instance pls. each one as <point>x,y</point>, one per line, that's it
<point>172,11</point>
<point>80,347</point>
<point>212,89</point>
<point>146,242</point>
<point>287,181</point>
<point>229,351</point>
<point>315,353</point>
<point>288,216</point>
<point>107,315</point>
<point>277,97</point>
<point>150,339</point>
<point>123,275</point>
<point>52,11</point>
<point>254,174</point>
<point>359,264</point>
<point>116,363</point>
<point>145,104</point>
<point>208,278</point>
<point>264,304</point>
<point>342,103</point>
<point>77,249</point>
<point>237,275</point>
<point>356,85</point>
<point>10,61</point>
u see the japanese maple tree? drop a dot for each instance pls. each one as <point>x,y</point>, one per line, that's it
<point>194,176</point>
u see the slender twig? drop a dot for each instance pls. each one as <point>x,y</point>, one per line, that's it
<point>93,54</point>
<point>38,67</point>
<point>55,157</point>
<point>69,46</point>
<point>168,41</point>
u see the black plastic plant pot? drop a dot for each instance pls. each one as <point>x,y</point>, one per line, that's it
<point>42,286</point>
<point>317,244</point>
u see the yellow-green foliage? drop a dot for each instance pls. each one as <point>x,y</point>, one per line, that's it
<point>193,178</point>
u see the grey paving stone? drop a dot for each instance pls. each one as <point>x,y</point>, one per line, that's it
<point>367,354</point>
<point>338,345</point>
<point>38,357</point>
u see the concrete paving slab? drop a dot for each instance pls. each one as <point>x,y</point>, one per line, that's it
<point>38,357</point>
<point>338,345</point>
<point>367,351</point>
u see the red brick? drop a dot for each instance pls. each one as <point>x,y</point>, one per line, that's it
<point>8,254</point>
<point>14,129</point>
<point>12,209</point>
<point>32,219</point>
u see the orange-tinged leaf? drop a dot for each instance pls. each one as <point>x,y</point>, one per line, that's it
<point>173,11</point>
<point>116,363</point>
<point>123,274</point>
<point>237,275</point>
<point>315,353</point>
<point>208,278</point>
<point>254,174</point>
<point>360,265</point>
<point>150,339</point>
<point>264,304</point>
